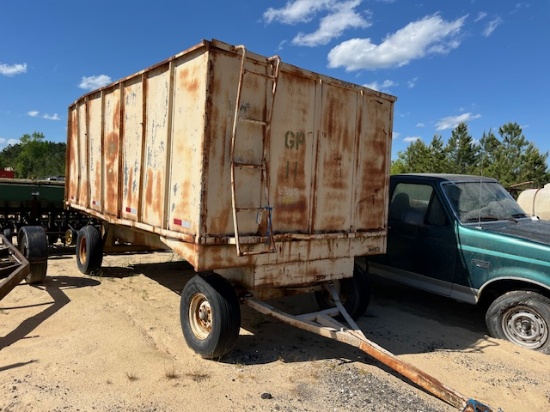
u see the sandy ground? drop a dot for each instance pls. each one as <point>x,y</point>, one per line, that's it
<point>114,343</point>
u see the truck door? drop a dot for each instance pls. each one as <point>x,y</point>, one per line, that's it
<point>421,239</point>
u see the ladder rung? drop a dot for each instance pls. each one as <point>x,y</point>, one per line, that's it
<point>249,209</point>
<point>261,252</point>
<point>267,76</point>
<point>248,165</point>
<point>255,121</point>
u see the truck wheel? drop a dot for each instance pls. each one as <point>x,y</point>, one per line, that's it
<point>210,315</point>
<point>89,249</point>
<point>33,244</point>
<point>354,294</point>
<point>523,318</point>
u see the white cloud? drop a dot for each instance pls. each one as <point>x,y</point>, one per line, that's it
<point>412,83</point>
<point>7,142</point>
<point>298,11</point>
<point>94,82</point>
<point>481,15</point>
<point>411,139</point>
<point>452,122</point>
<point>54,116</point>
<point>491,26</point>
<point>381,87</point>
<point>36,113</point>
<point>420,125</point>
<point>342,16</point>
<point>430,35</point>
<point>395,135</point>
<point>13,70</point>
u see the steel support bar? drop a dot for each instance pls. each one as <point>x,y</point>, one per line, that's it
<point>15,263</point>
<point>323,324</point>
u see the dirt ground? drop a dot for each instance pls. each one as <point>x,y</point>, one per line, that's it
<point>114,343</point>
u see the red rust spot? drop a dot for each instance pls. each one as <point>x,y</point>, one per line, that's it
<point>116,117</point>
<point>188,81</point>
<point>149,188</point>
<point>111,172</point>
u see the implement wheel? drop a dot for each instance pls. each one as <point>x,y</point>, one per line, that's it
<point>354,293</point>
<point>210,315</point>
<point>89,249</point>
<point>33,244</point>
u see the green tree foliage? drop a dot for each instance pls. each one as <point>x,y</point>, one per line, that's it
<point>34,157</point>
<point>512,159</point>
<point>462,153</point>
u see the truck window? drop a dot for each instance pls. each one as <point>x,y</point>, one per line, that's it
<point>410,202</point>
<point>436,215</point>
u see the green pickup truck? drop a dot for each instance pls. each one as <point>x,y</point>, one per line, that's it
<point>466,238</point>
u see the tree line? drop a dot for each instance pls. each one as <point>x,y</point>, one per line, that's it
<point>509,158</point>
<point>34,157</point>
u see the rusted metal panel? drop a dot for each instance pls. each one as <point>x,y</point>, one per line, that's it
<point>186,168</point>
<point>292,146</point>
<point>156,137</point>
<point>132,147</point>
<point>111,140</point>
<point>373,157</point>
<point>335,160</point>
<point>72,158</point>
<point>95,154</point>
<point>156,151</point>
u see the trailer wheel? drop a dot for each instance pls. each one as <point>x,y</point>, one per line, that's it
<point>210,315</point>
<point>354,294</point>
<point>8,234</point>
<point>523,318</point>
<point>89,249</point>
<point>33,244</point>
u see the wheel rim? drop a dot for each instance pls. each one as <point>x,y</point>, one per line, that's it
<point>525,327</point>
<point>82,250</point>
<point>200,316</point>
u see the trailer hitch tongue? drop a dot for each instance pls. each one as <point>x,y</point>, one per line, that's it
<point>324,324</point>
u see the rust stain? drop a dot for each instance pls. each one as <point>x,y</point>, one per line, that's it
<point>116,116</point>
<point>148,189</point>
<point>111,171</point>
<point>188,81</point>
<point>130,195</point>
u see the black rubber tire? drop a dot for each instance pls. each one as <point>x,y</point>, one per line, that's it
<point>89,250</point>
<point>210,315</point>
<point>523,318</point>
<point>8,233</point>
<point>33,244</point>
<point>354,294</point>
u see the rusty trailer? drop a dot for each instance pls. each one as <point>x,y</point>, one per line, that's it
<point>269,175</point>
<point>268,178</point>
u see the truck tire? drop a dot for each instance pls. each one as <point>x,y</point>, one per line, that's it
<point>523,318</point>
<point>33,244</point>
<point>89,250</point>
<point>354,294</point>
<point>210,315</point>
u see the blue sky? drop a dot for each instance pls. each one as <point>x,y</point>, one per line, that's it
<point>484,62</point>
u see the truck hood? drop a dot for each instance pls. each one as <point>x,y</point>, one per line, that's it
<point>528,229</point>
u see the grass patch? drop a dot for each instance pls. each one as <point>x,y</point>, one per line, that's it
<point>198,376</point>
<point>132,377</point>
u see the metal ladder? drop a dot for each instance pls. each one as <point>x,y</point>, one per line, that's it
<point>261,169</point>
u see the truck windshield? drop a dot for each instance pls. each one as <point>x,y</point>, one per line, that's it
<point>481,202</point>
